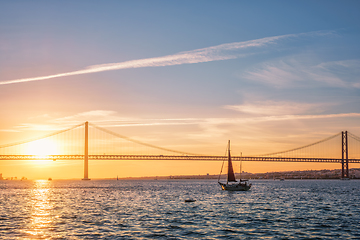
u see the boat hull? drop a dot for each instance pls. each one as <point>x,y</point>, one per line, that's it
<point>235,187</point>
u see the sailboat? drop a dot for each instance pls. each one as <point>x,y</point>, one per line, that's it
<point>231,183</point>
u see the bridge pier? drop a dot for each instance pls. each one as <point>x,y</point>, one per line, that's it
<point>86,153</point>
<point>344,156</point>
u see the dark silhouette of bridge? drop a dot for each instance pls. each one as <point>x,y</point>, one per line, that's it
<point>87,141</point>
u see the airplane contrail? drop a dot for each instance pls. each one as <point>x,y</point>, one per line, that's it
<point>209,54</point>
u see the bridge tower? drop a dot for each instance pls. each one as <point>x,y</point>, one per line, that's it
<point>86,153</point>
<point>345,156</point>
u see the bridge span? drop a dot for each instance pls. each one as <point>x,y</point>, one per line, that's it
<point>81,144</point>
<point>172,158</point>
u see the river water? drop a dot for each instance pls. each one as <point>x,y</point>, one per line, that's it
<point>139,209</point>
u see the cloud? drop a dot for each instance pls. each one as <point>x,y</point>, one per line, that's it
<point>204,134</point>
<point>348,71</point>
<point>296,70</point>
<point>278,74</point>
<point>274,111</point>
<point>303,117</point>
<point>214,53</point>
<point>39,127</point>
<point>272,107</point>
<point>101,118</point>
<point>222,121</point>
<point>269,128</point>
<point>94,114</point>
<point>9,130</point>
<point>105,118</point>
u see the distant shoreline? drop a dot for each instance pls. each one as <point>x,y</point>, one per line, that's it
<point>294,175</point>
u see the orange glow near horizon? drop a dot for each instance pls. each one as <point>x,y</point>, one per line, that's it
<point>73,144</point>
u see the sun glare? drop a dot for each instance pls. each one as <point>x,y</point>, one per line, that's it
<point>42,147</point>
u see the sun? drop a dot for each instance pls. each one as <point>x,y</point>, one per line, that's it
<point>42,148</point>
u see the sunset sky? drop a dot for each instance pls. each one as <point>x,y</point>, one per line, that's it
<point>185,75</point>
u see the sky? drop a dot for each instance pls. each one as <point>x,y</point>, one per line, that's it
<point>185,75</point>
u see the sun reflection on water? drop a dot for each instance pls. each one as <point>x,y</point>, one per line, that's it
<point>41,208</point>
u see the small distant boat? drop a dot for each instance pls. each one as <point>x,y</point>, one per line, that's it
<point>282,179</point>
<point>231,183</point>
<point>49,179</point>
<point>190,200</point>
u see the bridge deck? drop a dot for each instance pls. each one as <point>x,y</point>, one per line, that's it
<point>171,157</point>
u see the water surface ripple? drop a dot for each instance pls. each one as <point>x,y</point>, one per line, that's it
<point>110,209</point>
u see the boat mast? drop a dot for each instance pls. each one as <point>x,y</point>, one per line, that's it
<point>229,162</point>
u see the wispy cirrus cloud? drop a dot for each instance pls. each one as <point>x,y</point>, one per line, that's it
<point>9,130</point>
<point>215,53</point>
<point>106,118</point>
<point>112,120</point>
<point>287,72</point>
<point>303,117</point>
<point>273,107</point>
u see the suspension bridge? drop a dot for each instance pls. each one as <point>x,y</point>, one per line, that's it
<point>88,141</point>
